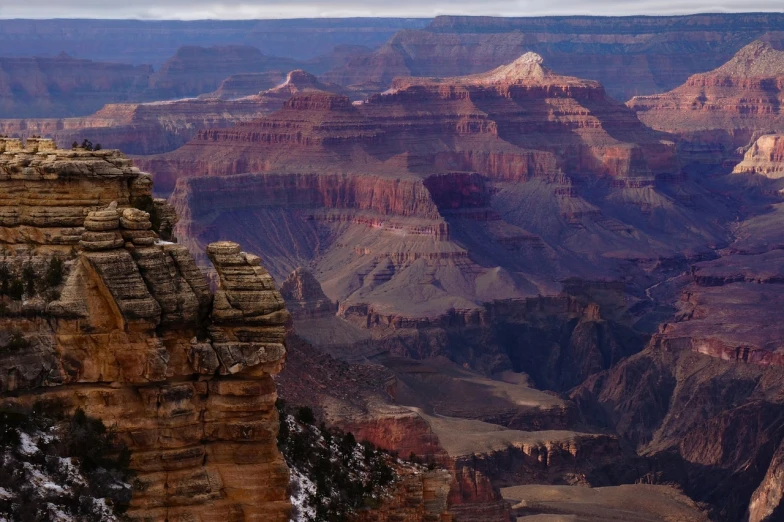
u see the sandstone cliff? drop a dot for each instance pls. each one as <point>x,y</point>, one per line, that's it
<point>765,157</point>
<point>132,335</point>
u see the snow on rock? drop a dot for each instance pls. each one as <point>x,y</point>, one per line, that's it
<point>34,478</point>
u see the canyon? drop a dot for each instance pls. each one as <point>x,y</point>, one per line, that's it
<point>131,333</point>
<point>472,243</point>
<point>543,302</point>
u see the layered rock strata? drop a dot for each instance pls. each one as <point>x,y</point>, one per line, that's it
<point>156,127</point>
<point>765,157</point>
<point>420,497</point>
<point>703,399</point>
<point>723,109</point>
<point>629,55</point>
<point>134,337</point>
<point>491,185</point>
<point>64,86</point>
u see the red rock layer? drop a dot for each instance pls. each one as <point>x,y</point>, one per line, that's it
<point>155,127</point>
<point>728,106</point>
<point>516,122</point>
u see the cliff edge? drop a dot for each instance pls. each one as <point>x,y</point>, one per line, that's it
<point>99,313</point>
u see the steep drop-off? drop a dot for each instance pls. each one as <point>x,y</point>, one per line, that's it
<point>704,398</point>
<point>131,334</point>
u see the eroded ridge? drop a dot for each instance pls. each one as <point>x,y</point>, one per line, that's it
<point>123,325</point>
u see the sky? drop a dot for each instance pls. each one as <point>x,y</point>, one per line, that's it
<point>248,9</point>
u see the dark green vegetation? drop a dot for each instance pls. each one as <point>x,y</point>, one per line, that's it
<point>333,475</point>
<point>52,465</point>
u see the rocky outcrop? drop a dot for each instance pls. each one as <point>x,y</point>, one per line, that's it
<point>133,336</point>
<point>628,55</point>
<point>65,86</point>
<point>421,497</point>
<point>304,296</point>
<point>588,134</point>
<point>765,157</point>
<point>766,502</point>
<point>726,108</point>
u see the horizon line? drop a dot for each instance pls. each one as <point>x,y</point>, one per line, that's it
<point>396,17</point>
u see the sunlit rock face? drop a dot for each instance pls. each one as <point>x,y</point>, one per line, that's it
<point>131,333</point>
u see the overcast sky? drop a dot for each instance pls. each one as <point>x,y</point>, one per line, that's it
<point>245,9</point>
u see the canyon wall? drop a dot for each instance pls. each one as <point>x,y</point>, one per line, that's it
<point>629,55</point>
<point>155,41</point>
<point>64,86</point>
<point>156,127</point>
<point>724,109</point>
<point>765,157</point>
<point>132,335</point>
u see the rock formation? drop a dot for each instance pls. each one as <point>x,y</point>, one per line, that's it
<point>246,84</point>
<point>724,108</point>
<point>64,86</point>
<point>628,55</point>
<point>765,157</point>
<point>417,498</point>
<point>438,194</point>
<point>139,128</point>
<point>703,399</point>
<point>156,127</point>
<point>133,336</point>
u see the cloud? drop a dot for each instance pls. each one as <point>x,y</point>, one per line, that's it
<point>249,9</point>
